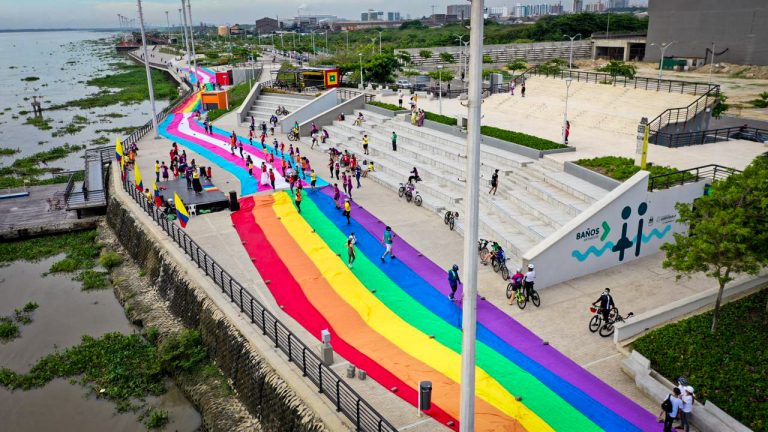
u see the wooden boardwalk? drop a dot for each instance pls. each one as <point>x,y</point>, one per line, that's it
<point>42,212</point>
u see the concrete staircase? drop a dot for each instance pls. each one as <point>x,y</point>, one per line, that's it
<point>535,197</point>
<point>265,105</point>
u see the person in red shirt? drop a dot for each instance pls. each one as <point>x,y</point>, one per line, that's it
<point>272,178</point>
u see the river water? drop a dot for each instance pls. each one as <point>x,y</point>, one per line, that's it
<point>65,314</point>
<point>64,61</point>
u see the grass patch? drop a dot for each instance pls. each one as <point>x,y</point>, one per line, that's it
<point>155,418</point>
<point>9,326</point>
<point>520,138</point>
<point>237,95</point>
<point>110,259</point>
<point>127,87</point>
<point>440,118</point>
<point>621,168</point>
<point>30,78</point>
<point>385,105</point>
<point>729,368</point>
<point>112,115</point>
<point>92,280</point>
<point>102,140</point>
<point>30,168</point>
<point>39,122</point>
<point>9,330</point>
<point>127,130</point>
<point>8,151</point>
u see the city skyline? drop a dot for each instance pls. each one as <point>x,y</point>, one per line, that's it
<point>43,14</point>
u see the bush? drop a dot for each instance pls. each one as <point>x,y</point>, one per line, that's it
<point>8,329</point>
<point>156,418</point>
<point>425,54</point>
<point>729,368</point>
<point>110,260</point>
<point>762,102</point>
<point>447,57</point>
<point>183,352</point>
<point>621,168</point>
<point>487,58</point>
<point>440,118</point>
<point>520,138</point>
<point>92,279</point>
<point>385,105</point>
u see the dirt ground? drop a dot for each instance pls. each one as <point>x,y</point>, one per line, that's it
<point>739,83</point>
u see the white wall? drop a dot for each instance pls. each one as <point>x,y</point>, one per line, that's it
<point>311,109</point>
<point>588,243</point>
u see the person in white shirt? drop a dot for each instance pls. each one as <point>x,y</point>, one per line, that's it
<point>400,98</point>
<point>671,415</point>
<point>686,407</point>
<point>528,280</point>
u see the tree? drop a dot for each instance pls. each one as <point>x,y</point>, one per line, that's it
<point>552,66</point>
<point>445,74</point>
<point>762,102</point>
<point>616,68</point>
<point>447,57</point>
<point>727,230</point>
<point>425,54</point>
<point>487,58</point>
<point>518,64</point>
<point>720,106</point>
<point>412,25</point>
<point>404,57</point>
<point>381,68</point>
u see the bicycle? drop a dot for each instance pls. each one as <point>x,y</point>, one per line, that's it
<point>597,319</point>
<point>521,296</point>
<point>482,249</point>
<point>281,111</point>
<point>608,327</point>
<point>450,219</point>
<point>500,266</point>
<point>293,136</point>
<point>411,194</point>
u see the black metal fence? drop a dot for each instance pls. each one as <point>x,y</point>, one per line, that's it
<point>345,399</point>
<point>711,172</point>
<point>709,136</point>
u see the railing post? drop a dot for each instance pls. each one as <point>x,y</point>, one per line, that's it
<point>277,339</point>
<point>357,413</point>
<point>338,399</point>
<point>252,320</point>
<point>241,299</point>
<point>290,350</point>
<point>263,322</point>
<point>320,373</point>
<point>303,361</point>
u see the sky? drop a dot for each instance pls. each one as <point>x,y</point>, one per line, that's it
<point>15,14</point>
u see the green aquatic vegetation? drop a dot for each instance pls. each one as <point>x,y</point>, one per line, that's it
<point>76,125</point>
<point>30,78</point>
<point>9,326</point>
<point>8,151</point>
<point>102,140</point>
<point>155,418</point>
<point>39,122</point>
<point>112,115</point>
<point>110,259</point>
<point>92,280</point>
<point>9,330</point>
<point>119,130</point>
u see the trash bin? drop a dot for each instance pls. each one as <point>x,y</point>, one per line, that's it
<point>425,395</point>
<point>234,205</point>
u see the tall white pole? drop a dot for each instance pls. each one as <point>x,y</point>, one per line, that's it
<point>186,41</point>
<point>192,34</point>
<point>440,89</point>
<point>568,81</point>
<point>183,40</point>
<point>379,42</point>
<point>711,64</point>
<point>149,74</point>
<point>472,210</point>
<point>168,23</point>
<point>362,82</point>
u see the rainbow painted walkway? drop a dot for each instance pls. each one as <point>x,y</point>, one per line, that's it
<point>182,128</point>
<point>394,321</point>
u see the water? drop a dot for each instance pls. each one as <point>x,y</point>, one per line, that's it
<point>63,61</point>
<point>65,314</point>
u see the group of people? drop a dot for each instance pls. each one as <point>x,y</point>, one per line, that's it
<point>387,240</point>
<point>417,116</point>
<point>678,405</point>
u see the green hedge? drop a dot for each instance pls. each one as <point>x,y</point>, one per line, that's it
<point>384,105</point>
<point>729,368</point>
<point>520,138</point>
<point>440,118</point>
<point>621,168</point>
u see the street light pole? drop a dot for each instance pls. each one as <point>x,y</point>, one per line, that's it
<point>192,34</point>
<point>570,58</point>
<point>146,66</point>
<point>440,88</point>
<point>326,43</point>
<point>183,41</point>
<point>711,64</point>
<point>568,81</point>
<point>189,58</point>
<point>168,23</point>
<point>362,82</point>
<point>663,47</point>
<point>379,42</point>
<point>472,210</point>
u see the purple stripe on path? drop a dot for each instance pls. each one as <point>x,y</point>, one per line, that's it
<point>512,332</point>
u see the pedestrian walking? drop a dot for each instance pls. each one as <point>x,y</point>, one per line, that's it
<point>272,178</point>
<point>157,170</point>
<point>164,168</point>
<point>240,146</point>
<point>394,141</point>
<point>313,179</point>
<point>686,407</point>
<point>567,131</point>
<point>670,407</point>
<point>512,88</point>
<point>351,240</point>
<point>453,281</point>
<point>365,144</point>
<point>330,165</point>
<point>388,236</point>
<point>336,195</point>
<point>232,142</point>
<point>337,168</point>
<point>349,185</point>
<point>347,210</point>
<point>400,98</point>
<point>358,173</point>
<point>494,182</point>
<point>297,199</point>
<point>344,182</point>
<point>522,89</point>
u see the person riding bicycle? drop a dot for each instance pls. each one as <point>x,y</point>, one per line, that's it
<point>494,252</point>
<point>295,131</point>
<point>517,283</point>
<point>606,303</point>
<point>528,280</point>
<point>414,177</point>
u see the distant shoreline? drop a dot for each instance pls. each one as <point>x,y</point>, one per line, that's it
<point>108,30</point>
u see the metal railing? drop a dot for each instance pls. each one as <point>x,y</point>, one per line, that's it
<point>344,398</point>
<point>712,172</point>
<point>88,197</point>
<point>625,35</point>
<point>345,93</point>
<point>709,136</point>
<point>680,118</point>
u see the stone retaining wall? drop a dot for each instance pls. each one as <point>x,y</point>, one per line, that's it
<point>262,390</point>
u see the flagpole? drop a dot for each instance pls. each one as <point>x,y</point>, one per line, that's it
<point>149,73</point>
<point>469,308</point>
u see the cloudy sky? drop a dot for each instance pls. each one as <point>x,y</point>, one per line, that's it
<point>16,14</point>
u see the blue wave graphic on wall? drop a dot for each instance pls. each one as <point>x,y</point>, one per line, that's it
<point>592,250</point>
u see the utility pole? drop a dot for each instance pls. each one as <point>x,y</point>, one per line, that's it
<point>192,34</point>
<point>149,74</point>
<point>183,40</point>
<point>168,23</point>
<point>472,210</point>
<point>189,58</point>
<point>379,42</point>
<point>711,64</point>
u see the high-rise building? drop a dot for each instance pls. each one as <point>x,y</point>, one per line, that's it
<point>498,11</point>
<point>578,6</point>
<point>393,16</point>
<point>462,11</point>
<point>618,4</point>
<point>372,15</point>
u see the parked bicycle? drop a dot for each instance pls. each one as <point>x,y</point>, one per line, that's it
<point>498,260</point>
<point>281,111</point>
<point>605,328</point>
<point>450,219</point>
<point>411,194</point>
<point>522,297</point>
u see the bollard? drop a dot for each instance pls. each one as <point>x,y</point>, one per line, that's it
<point>361,375</point>
<point>350,371</point>
<point>425,395</point>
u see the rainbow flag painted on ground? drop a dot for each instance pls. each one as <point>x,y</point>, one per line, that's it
<point>181,210</point>
<point>394,321</point>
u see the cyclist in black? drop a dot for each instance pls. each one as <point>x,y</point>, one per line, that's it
<point>606,303</point>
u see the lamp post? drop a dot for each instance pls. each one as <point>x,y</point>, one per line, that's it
<point>183,40</point>
<point>466,61</point>
<point>570,58</point>
<point>373,45</point>
<point>568,81</point>
<point>362,83</point>
<point>347,31</point>
<point>663,47</point>
<point>189,51</point>
<point>440,88</point>
<point>168,23</point>
<point>379,42</point>
<point>314,51</point>
<point>711,64</point>
<point>326,43</point>
<point>192,34</point>
<point>146,66</point>
<point>461,51</point>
